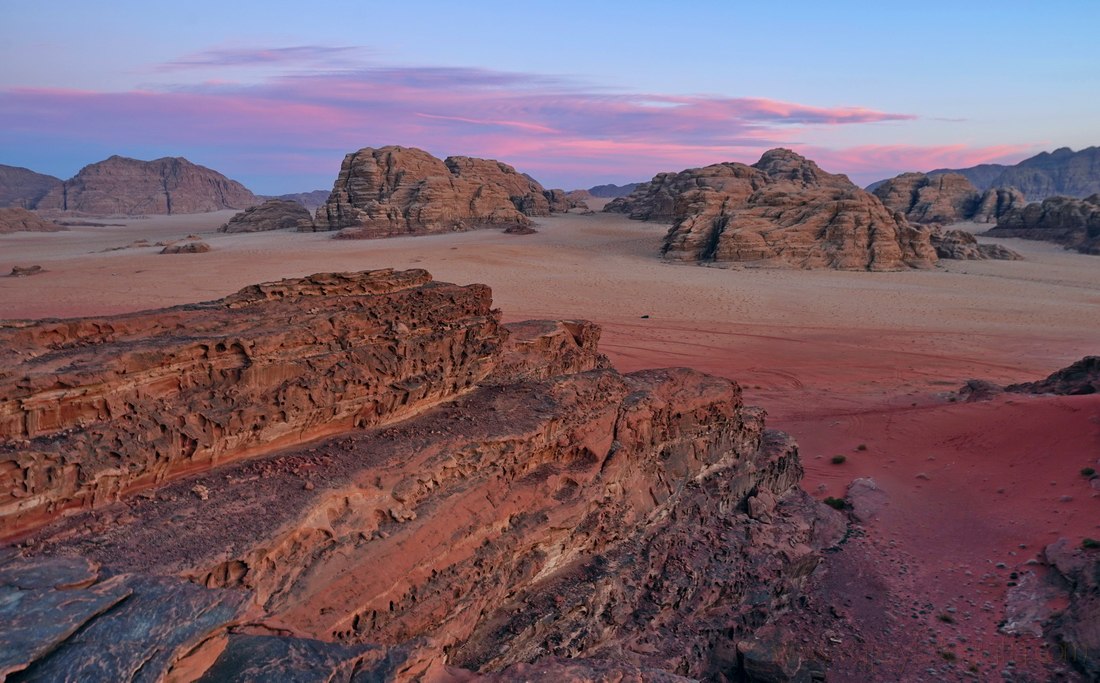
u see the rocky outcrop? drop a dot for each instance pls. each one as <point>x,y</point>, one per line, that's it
<point>1074,630</point>
<point>120,186</point>
<point>188,247</point>
<point>406,191</point>
<point>274,214</point>
<point>1047,174</point>
<point>781,211</point>
<point>1080,378</point>
<point>91,409</point>
<point>1073,223</point>
<point>535,510</point>
<point>20,220</point>
<point>996,203</point>
<point>945,198</point>
<point>962,245</point>
<point>23,188</point>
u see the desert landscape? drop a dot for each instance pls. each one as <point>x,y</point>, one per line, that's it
<point>704,407</point>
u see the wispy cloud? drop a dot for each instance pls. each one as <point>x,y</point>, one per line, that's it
<point>297,55</point>
<point>546,125</point>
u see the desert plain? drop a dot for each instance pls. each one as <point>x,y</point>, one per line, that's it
<point>864,365</point>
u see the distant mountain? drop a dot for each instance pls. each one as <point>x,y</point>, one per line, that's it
<point>310,200</point>
<point>23,188</point>
<point>131,187</point>
<point>611,191</point>
<point>1062,172</point>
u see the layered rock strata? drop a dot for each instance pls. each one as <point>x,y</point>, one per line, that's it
<point>23,188</point>
<point>393,190</point>
<point>536,511</point>
<point>120,186</point>
<point>781,211</point>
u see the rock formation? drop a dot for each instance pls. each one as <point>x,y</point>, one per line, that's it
<point>23,188</point>
<point>1080,378</point>
<point>120,186</point>
<point>962,245</point>
<point>946,198</point>
<point>782,210</point>
<point>406,191</point>
<point>474,495</point>
<point>26,271</point>
<point>1047,174</point>
<point>14,219</point>
<point>1073,223</point>
<point>187,247</point>
<point>1074,630</point>
<point>274,214</point>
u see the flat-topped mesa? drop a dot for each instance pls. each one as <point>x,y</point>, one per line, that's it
<point>93,408</point>
<point>781,211</point>
<point>120,186</point>
<point>946,198</point>
<point>393,190</point>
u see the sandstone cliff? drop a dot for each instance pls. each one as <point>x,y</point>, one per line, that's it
<point>1073,223</point>
<point>945,198</point>
<point>23,188</point>
<point>274,214</point>
<point>402,190</point>
<point>782,210</point>
<point>20,220</point>
<point>120,186</point>
<point>488,497</point>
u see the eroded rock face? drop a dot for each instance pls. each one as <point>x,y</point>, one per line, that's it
<point>20,220</point>
<point>781,211</point>
<point>274,214</point>
<point>23,188</point>
<point>1073,223</point>
<point>120,186</point>
<point>402,190</point>
<point>1082,377</point>
<point>962,245</point>
<point>945,198</point>
<point>536,513</point>
<point>1075,630</point>
<point>93,408</point>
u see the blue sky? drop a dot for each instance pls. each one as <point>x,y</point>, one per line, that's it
<point>274,94</point>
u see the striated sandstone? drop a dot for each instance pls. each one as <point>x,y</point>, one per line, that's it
<point>120,186</point>
<point>781,211</point>
<point>945,198</point>
<point>274,214</point>
<point>23,188</point>
<point>406,191</point>
<point>536,513</point>
<point>1073,223</point>
<point>21,220</point>
<point>93,408</point>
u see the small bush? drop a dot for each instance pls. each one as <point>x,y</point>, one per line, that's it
<point>948,656</point>
<point>1090,544</point>
<point>836,503</point>
<point>1088,472</point>
<point>946,618</point>
<point>861,447</point>
<point>838,459</point>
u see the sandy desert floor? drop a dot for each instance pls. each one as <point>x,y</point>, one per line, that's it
<point>838,359</point>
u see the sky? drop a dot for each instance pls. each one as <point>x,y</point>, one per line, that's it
<point>274,94</point>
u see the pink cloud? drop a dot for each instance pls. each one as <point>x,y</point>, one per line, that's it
<point>543,125</point>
